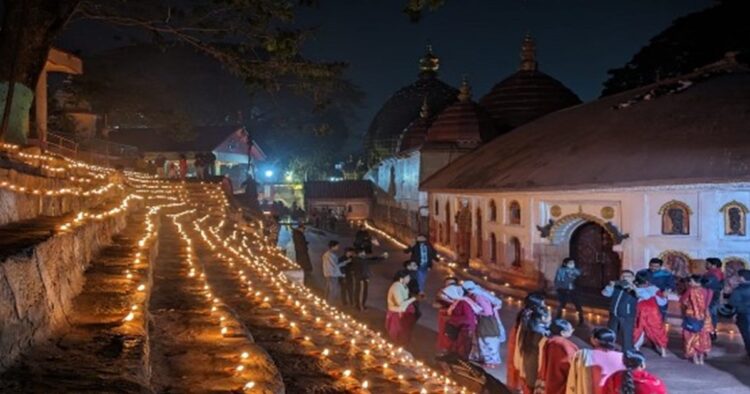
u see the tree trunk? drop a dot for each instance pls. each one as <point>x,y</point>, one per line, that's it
<point>28,29</point>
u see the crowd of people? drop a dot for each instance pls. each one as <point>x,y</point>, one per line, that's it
<point>204,164</point>
<point>541,357</point>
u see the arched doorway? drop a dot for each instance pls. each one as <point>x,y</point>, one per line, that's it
<point>463,239</point>
<point>448,227</point>
<point>591,248</point>
<point>479,241</point>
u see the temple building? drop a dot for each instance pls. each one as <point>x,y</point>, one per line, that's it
<point>659,171</point>
<point>427,125</point>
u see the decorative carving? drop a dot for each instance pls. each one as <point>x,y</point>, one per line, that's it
<point>608,213</point>
<point>735,214</point>
<point>675,217</point>
<point>544,231</point>
<point>555,211</point>
<point>617,236</point>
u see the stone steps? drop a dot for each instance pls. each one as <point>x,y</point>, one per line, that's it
<point>42,270</point>
<point>101,351</point>
<point>189,353</point>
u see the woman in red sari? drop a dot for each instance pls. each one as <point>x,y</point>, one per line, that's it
<point>649,323</point>
<point>515,358</point>
<point>635,379</point>
<point>696,320</point>
<point>461,323</point>
<point>442,302</point>
<point>400,318</point>
<point>555,358</point>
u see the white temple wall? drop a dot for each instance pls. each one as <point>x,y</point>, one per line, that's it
<point>633,211</point>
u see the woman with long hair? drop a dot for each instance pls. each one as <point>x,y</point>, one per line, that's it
<point>591,368</point>
<point>515,358</point>
<point>696,320</point>
<point>461,323</point>
<point>400,318</point>
<point>649,323</point>
<point>634,379</point>
<point>555,357</point>
<point>530,342</point>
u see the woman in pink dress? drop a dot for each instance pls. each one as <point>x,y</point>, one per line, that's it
<point>591,368</point>
<point>696,320</point>
<point>461,323</point>
<point>443,301</point>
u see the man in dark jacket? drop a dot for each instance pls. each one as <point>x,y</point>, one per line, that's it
<point>622,308</point>
<point>347,282</point>
<point>740,301</point>
<point>424,255</point>
<point>301,253</point>
<point>361,272</point>
<point>713,280</point>
<point>363,239</point>
<point>660,277</point>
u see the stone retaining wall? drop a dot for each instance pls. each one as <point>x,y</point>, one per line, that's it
<point>16,206</point>
<point>36,290</point>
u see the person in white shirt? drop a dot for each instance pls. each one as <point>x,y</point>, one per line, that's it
<point>332,271</point>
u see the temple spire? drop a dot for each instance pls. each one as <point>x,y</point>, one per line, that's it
<point>429,63</point>
<point>528,54</point>
<point>464,92</point>
<point>424,112</point>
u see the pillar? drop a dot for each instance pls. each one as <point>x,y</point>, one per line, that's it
<point>40,106</point>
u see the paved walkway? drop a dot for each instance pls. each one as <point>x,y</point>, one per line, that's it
<point>727,371</point>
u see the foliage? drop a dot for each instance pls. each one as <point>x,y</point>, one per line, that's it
<point>690,42</point>
<point>255,39</point>
<point>415,9</point>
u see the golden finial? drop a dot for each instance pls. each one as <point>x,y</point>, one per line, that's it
<point>429,63</point>
<point>528,54</point>
<point>464,92</point>
<point>424,112</point>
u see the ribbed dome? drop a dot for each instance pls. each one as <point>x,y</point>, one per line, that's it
<point>414,134</point>
<point>403,107</point>
<point>463,122</point>
<point>526,95</point>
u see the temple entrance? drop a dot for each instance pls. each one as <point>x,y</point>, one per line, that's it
<point>463,239</point>
<point>591,247</point>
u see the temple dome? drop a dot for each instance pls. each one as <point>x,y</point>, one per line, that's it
<point>464,122</point>
<point>527,94</point>
<point>414,134</point>
<point>403,107</point>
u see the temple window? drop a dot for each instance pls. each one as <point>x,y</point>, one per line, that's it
<point>514,212</point>
<point>734,218</point>
<point>516,252</point>
<point>675,218</point>
<point>437,207</point>
<point>493,248</point>
<point>480,241</point>
<point>493,211</point>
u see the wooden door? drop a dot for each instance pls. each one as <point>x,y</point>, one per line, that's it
<point>591,248</point>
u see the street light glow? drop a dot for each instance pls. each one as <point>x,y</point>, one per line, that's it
<point>269,173</point>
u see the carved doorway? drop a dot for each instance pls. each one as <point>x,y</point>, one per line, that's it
<point>463,239</point>
<point>591,248</point>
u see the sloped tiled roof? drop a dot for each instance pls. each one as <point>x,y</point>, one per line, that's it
<point>675,132</point>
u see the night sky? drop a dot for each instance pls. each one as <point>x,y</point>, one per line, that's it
<point>577,40</point>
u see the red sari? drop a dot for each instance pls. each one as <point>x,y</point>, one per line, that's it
<point>645,383</point>
<point>513,374</point>
<point>443,342</point>
<point>463,317</point>
<point>556,356</point>
<point>694,304</point>
<point>648,322</point>
<point>399,325</point>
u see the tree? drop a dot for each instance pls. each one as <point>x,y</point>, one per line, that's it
<point>254,39</point>
<point>690,42</point>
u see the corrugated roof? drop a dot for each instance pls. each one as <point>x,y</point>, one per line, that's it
<point>340,189</point>
<point>699,134</point>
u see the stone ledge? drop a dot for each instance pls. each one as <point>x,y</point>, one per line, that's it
<point>38,287</point>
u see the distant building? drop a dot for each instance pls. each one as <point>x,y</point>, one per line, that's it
<point>427,125</point>
<point>349,199</point>
<point>659,171</point>
<point>228,143</point>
